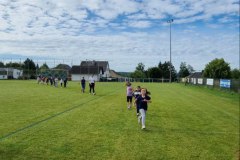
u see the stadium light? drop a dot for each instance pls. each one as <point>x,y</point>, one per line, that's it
<point>87,67</point>
<point>170,21</point>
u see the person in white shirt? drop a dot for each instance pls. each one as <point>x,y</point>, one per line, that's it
<point>92,85</point>
<point>56,82</point>
<point>61,82</point>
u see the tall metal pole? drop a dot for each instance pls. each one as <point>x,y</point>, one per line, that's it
<point>28,71</point>
<point>87,68</point>
<point>170,69</point>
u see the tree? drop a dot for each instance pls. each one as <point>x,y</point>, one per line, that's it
<point>43,67</point>
<point>63,66</point>
<point>190,69</point>
<point>139,72</point>
<point>29,68</point>
<point>217,68</point>
<point>165,69</point>
<point>235,73</point>
<point>14,65</point>
<point>154,72</point>
<point>1,64</point>
<point>140,67</point>
<point>183,72</point>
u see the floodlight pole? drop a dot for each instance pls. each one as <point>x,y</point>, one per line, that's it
<point>170,25</point>
<point>28,71</point>
<point>87,68</point>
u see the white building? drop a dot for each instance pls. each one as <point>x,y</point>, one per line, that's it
<point>10,73</point>
<point>97,69</point>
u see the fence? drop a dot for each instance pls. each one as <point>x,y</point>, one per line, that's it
<point>144,80</point>
<point>228,84</point>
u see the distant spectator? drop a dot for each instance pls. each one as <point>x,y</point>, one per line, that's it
<point>51,81</point>
<point>65,82</point>
<point>186,80</point>
<point>38,79</point>
<point>91,85</point>
<point>61,82</point>
<point>83,83</point>
<point>56,82</point>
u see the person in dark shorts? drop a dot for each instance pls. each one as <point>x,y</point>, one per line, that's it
<point>143,101</point>
<point>129,95</point>
<point>92,85</point>
<point>65,82</point>
<point>136,93</point>
<point>83,84</point>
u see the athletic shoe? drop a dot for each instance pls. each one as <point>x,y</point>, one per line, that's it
<point>143,127</point>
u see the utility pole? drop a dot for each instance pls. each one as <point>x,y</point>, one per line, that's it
<point>170,69</point>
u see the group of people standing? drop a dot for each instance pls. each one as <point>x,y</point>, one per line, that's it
<point>141,100</point>
<point>52,80</point>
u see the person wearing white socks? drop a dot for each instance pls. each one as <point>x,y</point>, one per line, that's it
<point>143,101</point>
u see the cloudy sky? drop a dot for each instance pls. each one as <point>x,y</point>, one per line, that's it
<point>123,32</point>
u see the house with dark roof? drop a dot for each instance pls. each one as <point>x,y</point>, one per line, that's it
<point>195,75</point>
<point>193,78</point>
<point>97,69</point>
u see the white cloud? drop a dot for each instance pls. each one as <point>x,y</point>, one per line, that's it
<point>226,20</point>
<point>124,49</point>
<point>138,16</point>
<point>3,24</point>
<point>140,24</point>
<point>158,9</point>
<point>192,19</point>
<point>78,29</point>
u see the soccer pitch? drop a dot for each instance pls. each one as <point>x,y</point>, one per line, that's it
<point>183,122</point>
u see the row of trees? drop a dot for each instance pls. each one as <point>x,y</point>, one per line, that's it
<point>30,69</point>
<point>161,71</point>
<point>217,68</point>
<point>28,66</point>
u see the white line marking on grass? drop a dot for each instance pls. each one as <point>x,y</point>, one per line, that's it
<point>53,116</point>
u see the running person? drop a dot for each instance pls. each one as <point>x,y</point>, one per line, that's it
<point>143,101</point>
<point>129,95</point>
<point>136,93</point>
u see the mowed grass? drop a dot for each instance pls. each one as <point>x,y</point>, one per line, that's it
<point>183,122</point>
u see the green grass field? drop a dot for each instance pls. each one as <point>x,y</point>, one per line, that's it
<point>183,122</point>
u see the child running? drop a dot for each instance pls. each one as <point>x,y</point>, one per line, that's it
<point>143,101</point>
<point>136,93</point>
<point>129,95</point>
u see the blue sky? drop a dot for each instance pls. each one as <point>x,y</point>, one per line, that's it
<point>123,32</point>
